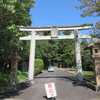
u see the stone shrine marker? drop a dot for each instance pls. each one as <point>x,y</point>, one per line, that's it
<point>94,47</point>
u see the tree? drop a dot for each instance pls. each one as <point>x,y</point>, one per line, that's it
<point>12,14</point>
<point>46,50</point>
<point>87,63</point>
<point>65,53</point>
<point>91,8</point>
<point>96,30</point>
<point>61,51</point>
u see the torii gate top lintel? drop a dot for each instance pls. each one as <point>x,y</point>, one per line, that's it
<point>54,31</point>
<point>60,28</point>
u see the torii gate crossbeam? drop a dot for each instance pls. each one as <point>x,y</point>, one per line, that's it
<point>54,35</point>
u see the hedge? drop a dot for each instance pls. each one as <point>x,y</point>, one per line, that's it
<point>39,66</point>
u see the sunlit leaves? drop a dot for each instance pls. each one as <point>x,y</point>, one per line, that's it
<point>13,13</point>
<point>91,8</point>
<point>87,63</point>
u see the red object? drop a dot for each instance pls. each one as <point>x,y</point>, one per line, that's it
<point>49,85</point>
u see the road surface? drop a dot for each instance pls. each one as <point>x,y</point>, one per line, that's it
<point>65,87</point>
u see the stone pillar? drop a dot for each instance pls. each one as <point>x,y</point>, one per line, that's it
<point>96,61</point>
<point>78,56</point>
<point>32,57</point>
<point>14,58</point>
<point>97,71</point>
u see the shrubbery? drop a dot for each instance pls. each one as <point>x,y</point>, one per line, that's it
<point>36,71</point>
<point>39,66</point>
<point>87,65</point>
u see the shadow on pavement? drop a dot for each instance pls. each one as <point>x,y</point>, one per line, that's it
<point>73,80</point>
<point>49,98</point>
<point>9,94</point>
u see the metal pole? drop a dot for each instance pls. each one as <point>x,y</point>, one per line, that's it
<point>32,57</point>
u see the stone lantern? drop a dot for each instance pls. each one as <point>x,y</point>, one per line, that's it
<point>14,58</point>
<point>94,47</point>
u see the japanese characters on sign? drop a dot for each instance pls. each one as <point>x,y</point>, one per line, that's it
<point>50,90</point>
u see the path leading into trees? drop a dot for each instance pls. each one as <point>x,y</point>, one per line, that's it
<point>65,84</point>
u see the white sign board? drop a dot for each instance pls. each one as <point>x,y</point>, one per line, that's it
<point>50,90</point>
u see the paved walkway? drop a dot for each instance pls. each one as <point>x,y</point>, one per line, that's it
<point>65,84</point>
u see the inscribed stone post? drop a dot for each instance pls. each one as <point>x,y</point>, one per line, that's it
<point>78,56</point>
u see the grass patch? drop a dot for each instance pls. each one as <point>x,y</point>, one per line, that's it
<point>5,78</point>
<point>22,75</point>
<point>85,73</point>
<point>88,73</point>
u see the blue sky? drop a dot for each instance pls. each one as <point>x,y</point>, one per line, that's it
<point>58,12</point>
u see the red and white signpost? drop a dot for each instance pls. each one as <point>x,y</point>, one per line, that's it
<point>50,90</point>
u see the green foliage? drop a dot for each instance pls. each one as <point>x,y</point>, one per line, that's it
<point>46,50</point>
<point>74,67</point>
<point>25,49</point>
<point>65,52</point>
<point>56,50</point>
<point>36,71</point>
<point>91,8</point>
<point>22,75</point>
<point>96,30</point>
<point>41,47</point>
<point>39,64</point>
<point>88,73</point>
<point>87,63</point>
<point>12,14</point>
<point>4,78</point>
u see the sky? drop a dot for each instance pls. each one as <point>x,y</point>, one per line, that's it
<point>59,13</point>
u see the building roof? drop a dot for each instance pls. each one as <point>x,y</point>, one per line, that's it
<point>91,44</point>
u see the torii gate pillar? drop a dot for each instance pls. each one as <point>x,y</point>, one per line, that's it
<point>32,57</point>
<point>78,56</point>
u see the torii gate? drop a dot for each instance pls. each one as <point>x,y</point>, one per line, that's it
<point>54,35</point>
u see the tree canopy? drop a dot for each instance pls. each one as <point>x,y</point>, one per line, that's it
<point>12,14</point>
<point>59,51</point>
<point>87,63</point>
<point>91,8</point>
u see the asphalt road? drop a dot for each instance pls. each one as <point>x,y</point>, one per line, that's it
<point>66,88</point>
